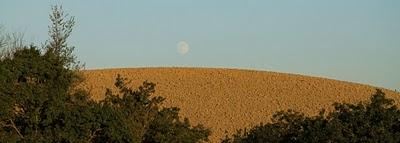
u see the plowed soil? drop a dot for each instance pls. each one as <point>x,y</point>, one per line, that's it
<point>229,99</point>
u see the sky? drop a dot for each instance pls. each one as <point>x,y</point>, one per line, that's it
<point>351,40</point>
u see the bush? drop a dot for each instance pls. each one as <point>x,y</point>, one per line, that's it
<point>145,120</point>
<point>377,121</point>
<point>38,101</point>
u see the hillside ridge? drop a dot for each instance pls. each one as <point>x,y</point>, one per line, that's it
<point>231,69</point>
<point>230,99</point>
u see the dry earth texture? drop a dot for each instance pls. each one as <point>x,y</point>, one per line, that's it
<point>228,99</point>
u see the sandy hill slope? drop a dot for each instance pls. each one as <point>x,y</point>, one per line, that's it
<point>227,99</point>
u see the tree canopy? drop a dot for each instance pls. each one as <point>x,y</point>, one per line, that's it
<point>376,121</point>
<point>39,102</point>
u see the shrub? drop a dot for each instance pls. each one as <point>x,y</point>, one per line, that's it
<point>377,121</point>
<point>145,120</point>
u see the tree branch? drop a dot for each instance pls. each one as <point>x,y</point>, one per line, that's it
<point>12,126</point>
<point>93,135</point>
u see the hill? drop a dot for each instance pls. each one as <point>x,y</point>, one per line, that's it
<point>230,99</point>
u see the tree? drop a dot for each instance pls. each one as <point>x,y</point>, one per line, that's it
<point>377,121</point>
<point>38,101</point>
<point>35,88</point>
<point>144,118</point>
<point>59,31</point>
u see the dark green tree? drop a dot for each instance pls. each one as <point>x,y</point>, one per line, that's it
<point>35,87</point>
<point>39,102</point>
<point>145,119</point>
<point>377,121</point>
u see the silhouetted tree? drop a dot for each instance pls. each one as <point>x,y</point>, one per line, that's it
<point>377,121</point>
<point>38,101</point>
<point>145,120</point>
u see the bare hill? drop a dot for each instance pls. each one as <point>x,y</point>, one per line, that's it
<point>227,99</point>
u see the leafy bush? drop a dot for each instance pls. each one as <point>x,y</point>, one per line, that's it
<point>145,119</point>
<point>377,121</point>
<point>38,101</point>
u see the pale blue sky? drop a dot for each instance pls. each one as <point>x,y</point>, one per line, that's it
<point>352,40</point>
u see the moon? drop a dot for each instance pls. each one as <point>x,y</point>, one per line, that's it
<point>183,47</point>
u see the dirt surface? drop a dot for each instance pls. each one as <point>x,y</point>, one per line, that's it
<point>228,99</point>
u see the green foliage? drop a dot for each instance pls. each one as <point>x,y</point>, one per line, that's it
<point>34,96</point>
<point>59,31</point>
<point>145,119</point>
<point>167,128</point>
<point>38,101</point>
<point>377,121</point>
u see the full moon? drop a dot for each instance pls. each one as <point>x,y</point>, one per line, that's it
<point>183,47</point>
